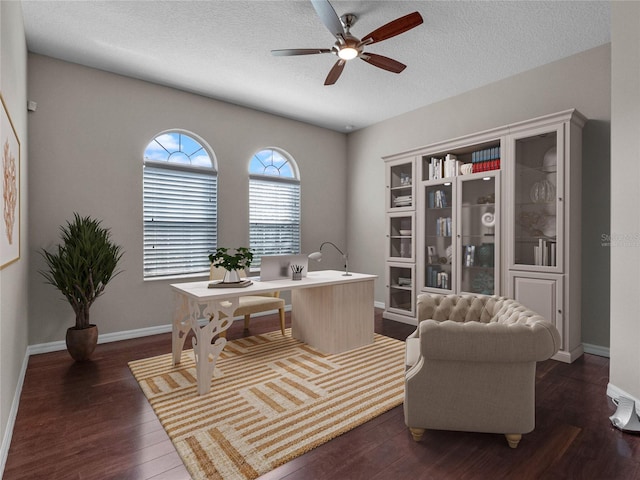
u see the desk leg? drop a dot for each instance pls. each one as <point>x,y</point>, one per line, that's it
<point>206,353</point>
<point>180,327</point>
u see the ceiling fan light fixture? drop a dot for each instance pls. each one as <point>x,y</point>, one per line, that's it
<point>347,47</point>
<point>348,53</point>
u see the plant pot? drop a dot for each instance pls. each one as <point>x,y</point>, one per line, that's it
<point>82,342</point>
<point>231,276</point>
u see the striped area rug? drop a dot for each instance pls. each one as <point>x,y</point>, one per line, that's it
<point>277,399</point>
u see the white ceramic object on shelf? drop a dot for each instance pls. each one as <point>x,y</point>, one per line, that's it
<point>543,191</point>
<point>550,160</point>
<point>405,232</point>
<point>488,219</point>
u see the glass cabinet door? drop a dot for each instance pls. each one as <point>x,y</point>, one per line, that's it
<point>438,234</point>
<point>400,185</point>
<point>400,245</point>
<point>477,234</point>
<point>536,211</point>
<point>400,288</point>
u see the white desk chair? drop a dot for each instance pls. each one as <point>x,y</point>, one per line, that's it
<point>254,303</point>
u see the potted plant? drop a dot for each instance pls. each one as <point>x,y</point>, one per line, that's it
<point>81,268</point>
<point>232,263</point>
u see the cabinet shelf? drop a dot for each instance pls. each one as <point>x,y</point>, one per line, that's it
<point>536,204</point>
<point>537,169</point>
<point>477,205</point>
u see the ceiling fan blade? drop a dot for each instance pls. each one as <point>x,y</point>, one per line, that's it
<point>287,52</point>
<point>393,28</point>
<point>335,72</point>
<point>328,16</point>
<point>385,63</point>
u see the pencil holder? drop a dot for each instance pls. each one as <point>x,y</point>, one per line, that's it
<point>296,272</point>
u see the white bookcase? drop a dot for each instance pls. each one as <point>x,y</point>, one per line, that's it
<point>497,212</point>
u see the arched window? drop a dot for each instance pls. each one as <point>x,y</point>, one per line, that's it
<point>180,205</point>
<point>274,204</point>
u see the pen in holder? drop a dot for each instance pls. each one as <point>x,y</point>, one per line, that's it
<point>296,272</point>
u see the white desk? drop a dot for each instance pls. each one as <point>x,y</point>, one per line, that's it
<point>330,312</point>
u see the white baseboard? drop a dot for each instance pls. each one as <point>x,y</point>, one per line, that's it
<point>596,350</point>
<point>379,305</point>
<point>11,420</point>
<point>124,335</point>
<point>102,338</point>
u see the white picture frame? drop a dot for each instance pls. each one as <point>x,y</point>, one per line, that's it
<point>9,189</point>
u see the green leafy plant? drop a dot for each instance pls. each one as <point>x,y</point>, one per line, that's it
<point>82,265</point>
<point>238,261</point>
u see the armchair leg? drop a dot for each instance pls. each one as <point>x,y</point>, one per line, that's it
<point>417,433</point>
<point>513,439</point>
<point>247,318</point>
<point>281,312</point>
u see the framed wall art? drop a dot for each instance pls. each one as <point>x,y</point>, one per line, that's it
<point>10,188</point>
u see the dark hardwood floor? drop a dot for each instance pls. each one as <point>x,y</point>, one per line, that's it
<point>92,421</point>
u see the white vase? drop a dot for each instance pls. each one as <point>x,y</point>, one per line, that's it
<point>231,276</point>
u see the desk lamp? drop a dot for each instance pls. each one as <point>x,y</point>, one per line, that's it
<point>318,256</point>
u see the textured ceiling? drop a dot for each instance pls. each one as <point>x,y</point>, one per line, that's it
<point>221,49</point>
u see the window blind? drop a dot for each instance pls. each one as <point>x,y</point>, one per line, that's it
<point>274,217</point>
<point>180,220</point>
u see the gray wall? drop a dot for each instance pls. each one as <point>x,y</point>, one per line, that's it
<point>87,138</point>
<point>581,81</point>
<point>13,278</point>
<point>625,198</point>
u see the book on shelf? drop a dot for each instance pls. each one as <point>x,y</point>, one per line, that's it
<point>544,254</point>
<point>435,168</point>
<point>486,159</point>
<point>451,166</point>
<point>438,199</point>
<point>432,256</point>
<point>402,201</point>
<point>469,255</point>
<point>442,280</point>
<point>443,226</point>
<point>444,167</point>
<point>436,278</point>
<point>441,199</point>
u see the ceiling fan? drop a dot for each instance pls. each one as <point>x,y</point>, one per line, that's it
<point>348,47</point>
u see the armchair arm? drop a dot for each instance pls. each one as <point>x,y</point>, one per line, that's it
<point>488,342</point>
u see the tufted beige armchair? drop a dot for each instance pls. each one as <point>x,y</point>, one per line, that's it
<point>471,365</point>
<point>254,303</point>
